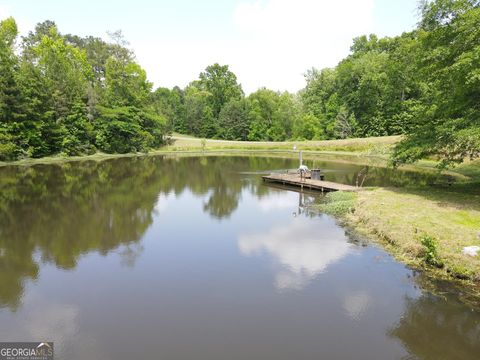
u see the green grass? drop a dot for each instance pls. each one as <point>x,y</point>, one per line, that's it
<point>470,169</point>
<point>372,146</point>
<point>425,227</point>
<point>400,218</point>
<point>338,203</point>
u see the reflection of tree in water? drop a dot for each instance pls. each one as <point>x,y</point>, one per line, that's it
<point>64,211</point>
<point>223,201</point>
<point>130,254</point>
<point>433,328</point>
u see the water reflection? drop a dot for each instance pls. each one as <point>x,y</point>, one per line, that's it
<point>303,249</point>
<point>433,327</point>
<point>64,211</point>
<point>356,304</point>
<point>130,256</point>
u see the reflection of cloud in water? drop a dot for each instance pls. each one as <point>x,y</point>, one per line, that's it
<point>278,201</point>
<point>130,253</point>
<point>162,202</point>
<point>356,304</point>
<point>304,248</point>
<point>52,321</point>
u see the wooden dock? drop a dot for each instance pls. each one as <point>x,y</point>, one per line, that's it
<point>294,180</point>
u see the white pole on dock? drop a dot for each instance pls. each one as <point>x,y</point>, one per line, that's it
<point>300,157</point>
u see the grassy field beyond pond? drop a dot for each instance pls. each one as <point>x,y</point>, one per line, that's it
<point>377,145</point>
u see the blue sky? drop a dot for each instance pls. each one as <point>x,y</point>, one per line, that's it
<point>265,42</point>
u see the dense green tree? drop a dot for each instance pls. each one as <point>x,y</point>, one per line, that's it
<point>62,73</point>
<point>234,120</point>
<point>125,84</point>
<point>198,111</point>
<point>222,84</point>
<point>128,129</point>
<point>272,115</point>
<point>10,94</point>
<point>79,135</point>
<point>448,121</point>
<point>345,124</point>
<point>73,95</point>
<point>423,84</point>
<point>376,83</point>
<point>170,105</point>
<point>306,127</point>
<point>320,99</point>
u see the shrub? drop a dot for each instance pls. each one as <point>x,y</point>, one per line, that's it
<point>8,150</point>
<point>430,256</point>
<point>338,203</point>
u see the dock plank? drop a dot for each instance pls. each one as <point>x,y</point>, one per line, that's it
<point>321,185</point>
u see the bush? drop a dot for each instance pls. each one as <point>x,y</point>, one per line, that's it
<point>430,256</point>
<point>338,203</point>
<point>8,150</point>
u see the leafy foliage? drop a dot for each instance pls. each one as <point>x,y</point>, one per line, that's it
<point>448,125</point>
<point>63,94</point>
<point>73,95</point>
<point>430,256</point>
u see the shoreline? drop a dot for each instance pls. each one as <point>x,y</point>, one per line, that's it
<point>397,220</point>
<point>351,157</point>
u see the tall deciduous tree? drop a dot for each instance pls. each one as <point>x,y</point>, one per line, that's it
<point>11,101</point>
<point>222,84</point>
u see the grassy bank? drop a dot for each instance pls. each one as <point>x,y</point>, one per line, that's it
<point>422,227</point>
<point>373,145</point>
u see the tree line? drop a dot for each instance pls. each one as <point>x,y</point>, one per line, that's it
<point>423,84</point>
<point>72,95</point>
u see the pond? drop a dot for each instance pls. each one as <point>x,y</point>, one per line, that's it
<point>196,258</point>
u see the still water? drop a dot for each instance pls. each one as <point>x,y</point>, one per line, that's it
<point>195,258</point>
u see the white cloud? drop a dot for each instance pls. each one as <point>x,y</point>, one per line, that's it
<point>44,319</point>
<point>304,249</point>
<point>279,201</point>
<point>24,25</point>
<point>271,43</point>
<point>284,38</point>
<point>356,304</point>
<point>266,43</point>
<point>163,201</point>
<point>5,11</point>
